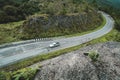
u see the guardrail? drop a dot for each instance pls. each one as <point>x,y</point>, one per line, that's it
<point>24,42</point>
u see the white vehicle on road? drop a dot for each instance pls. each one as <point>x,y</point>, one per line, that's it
<point>55,44</point>
<point>8,54</point>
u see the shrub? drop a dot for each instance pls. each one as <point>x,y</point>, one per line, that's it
<point>93,55</point>
<point>22,74</point>
<point>5,75</point>
<point>10,10</point>
<point>63,11</point>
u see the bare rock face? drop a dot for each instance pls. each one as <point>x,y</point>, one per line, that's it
<point>77,66</point>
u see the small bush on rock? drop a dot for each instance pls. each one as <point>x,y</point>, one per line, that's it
<point>93,55</point>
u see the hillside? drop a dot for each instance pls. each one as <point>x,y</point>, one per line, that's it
<point>59,18</point>
<point>47,18</point>
<point>76,66</point>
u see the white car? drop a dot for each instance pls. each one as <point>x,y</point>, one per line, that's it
<point>55,44</point>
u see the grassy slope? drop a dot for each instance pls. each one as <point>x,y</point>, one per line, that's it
<point>7,32</point>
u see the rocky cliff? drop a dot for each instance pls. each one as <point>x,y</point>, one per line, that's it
<point>77,66</point>
<point>59,25</point>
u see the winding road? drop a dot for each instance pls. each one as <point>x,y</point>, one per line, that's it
<point>12,54</point>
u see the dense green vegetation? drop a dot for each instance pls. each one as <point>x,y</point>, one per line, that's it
<point>15,10</point>
<point>21,74</point>
<point>93,55</point>
<point>113,3</point>
<point>106,3</point>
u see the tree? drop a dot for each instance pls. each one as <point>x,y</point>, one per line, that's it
<point>10,10</point>
<point>63,11</point>
<point>29,7</point>
<point>3,17</point>
<point>94,3</point>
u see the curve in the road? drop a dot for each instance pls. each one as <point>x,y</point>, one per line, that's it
<point>10,55</point>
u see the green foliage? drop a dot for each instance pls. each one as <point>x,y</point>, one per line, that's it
<point>78,1</point>
<point>29,7</point>
<point>3,16</point>
<point>63,11</point>
<point>5,75</point>
<point>8,32</point>
<point>51,9</point>
<point>22,74</point>
<point>93,55</point>
<point>11,10</point>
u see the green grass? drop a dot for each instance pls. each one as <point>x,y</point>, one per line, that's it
<point>8,32</point>
<point>11,25</point>
<point>22,74</point>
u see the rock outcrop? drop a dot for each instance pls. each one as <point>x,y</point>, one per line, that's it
<point>59,25</point>
<point>76,66</point>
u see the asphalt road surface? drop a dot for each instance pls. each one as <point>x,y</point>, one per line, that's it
<point>12,54</point>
